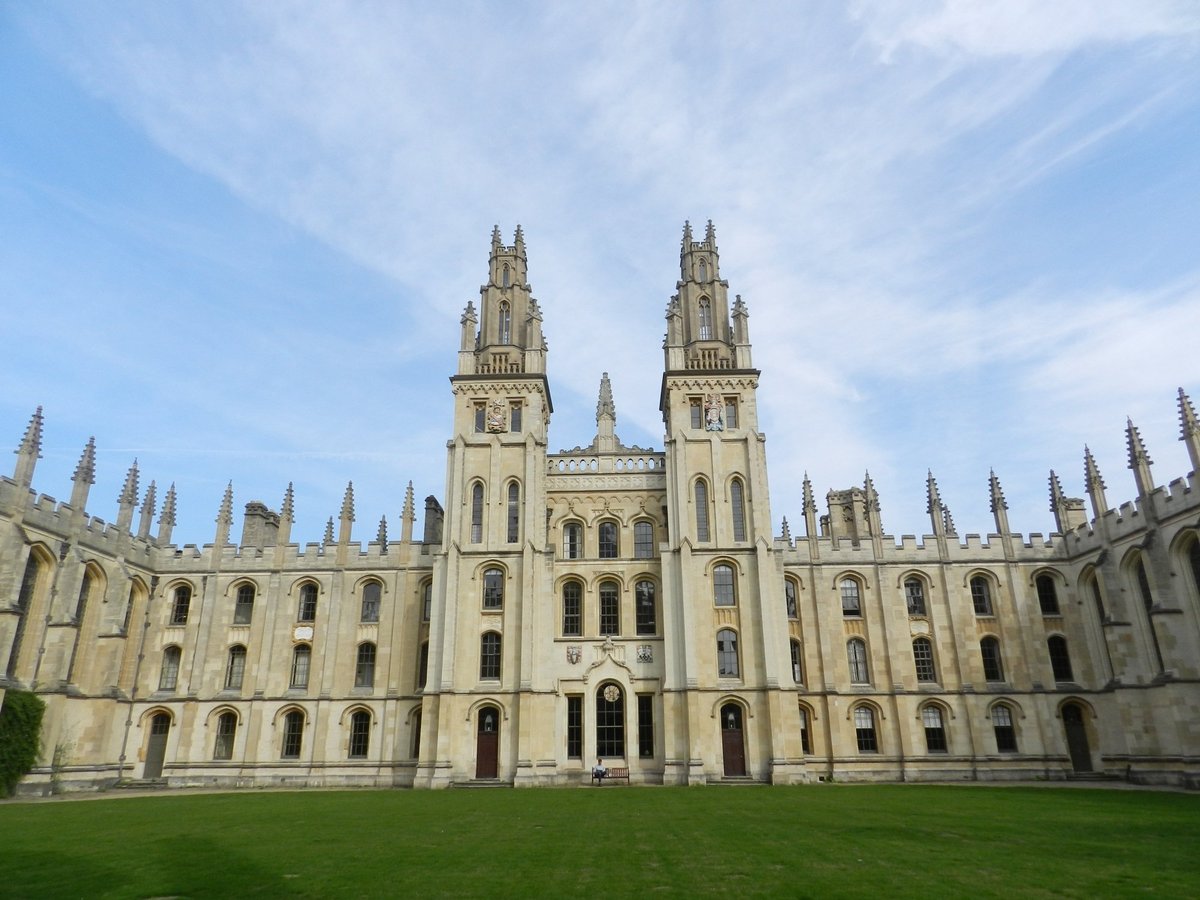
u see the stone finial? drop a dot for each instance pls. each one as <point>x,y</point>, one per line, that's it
<point>1056,492</point>
<point>85,471</point>
<point>787,530</point>
<point>328,539</point>
<point>710,234</point>
<point>1139,460</point>
<point>809,503</point>
<point>496,238</point>
<point>166,521</point>
<point>605,405</point>
<point>29,451</point>
<point>872,496</point>
<point>410,506</point>
<point>687,235</point>
<point>287,510</point>
<point>149,504</point>
<point>225,513</point>
<point>381,536</point>
<point>933,502</point>
<point>347,514</point>
<point>996,493</point>
<point>129,490</point>
<point>1095,483</point>
<point>1189,427</point>
<point>948,521</point>
<point>519,242</point>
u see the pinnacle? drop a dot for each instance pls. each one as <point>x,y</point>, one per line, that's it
<point>32,440</point>
<point>86,470</point>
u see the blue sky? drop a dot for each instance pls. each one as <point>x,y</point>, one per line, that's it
<point>238,237</point>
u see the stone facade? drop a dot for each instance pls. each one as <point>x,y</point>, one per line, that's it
<point>608,601</point>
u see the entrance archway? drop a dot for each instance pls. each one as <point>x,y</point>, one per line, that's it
<point>733,744</point>
<point>156,746</point>
<point>487,743</point>
<point>1077,739</point>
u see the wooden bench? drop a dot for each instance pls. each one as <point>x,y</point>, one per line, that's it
<point>612,775</point>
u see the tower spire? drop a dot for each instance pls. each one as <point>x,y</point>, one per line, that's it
<point>934,505</point>
<point>408,516</point>
<point>29,451</point>
<point>381,536</point>
<point>347,514</point>
<point>287,515</point>
<point>224,518</point>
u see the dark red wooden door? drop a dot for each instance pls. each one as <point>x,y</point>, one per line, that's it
<point>487,743</point>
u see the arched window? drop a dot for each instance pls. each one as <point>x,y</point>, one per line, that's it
<point>1143,583</point>
<point>1097,599</point>
<point>476,513</point>
<point>935,729</point>
<point>643,540</point>
<point>737,509</point>
<point>572,600</point>
<point>85,588</point>
<point>243,610</point>
<point>364,667</point>
<point>293,734</point>
<point>993,666</point>
<point>307,611</point>
<point>371,593</point>
<point>179,609</point>
<point>609,548</point>
<point>914,596</point>
<point>703,271</point>
<point>423,665</point>
<point>706,329</point>
<point>572,541</point>
<point>1002,726</point>
<point>981,596</point>
<point>168,677</point>
<point>426,601</point>
<point>1060,659</point>
<point>29,584</point>
<point>360,734</point>
<point>489,655</point>
<point>1194,562</point>
<point>610,608</point>
<point>724,593</point>
<point>789,599</point>
<point>805,730</point>
<point>493,589</point>
<point>1047,595</point>
<point>797,662</point>
<point>647,607</point>
<point>301,661</point>
<point>610,721</point>
<point>505,322</point>
<point>514,513</point>
<point>851,597</point>
<point>923,658</point>
<point>505,276</point>
<point>864,729</point>
<point>235,668</point>
<point>701,510</point>
<point>226,731</point>
<point>727,654</point>
<point>856,656</point>
<point>416,734</point>
<point>133,592</point>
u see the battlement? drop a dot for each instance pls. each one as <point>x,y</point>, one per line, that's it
<point>924,551</point>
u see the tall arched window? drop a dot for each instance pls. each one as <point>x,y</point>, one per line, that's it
<point>1002,726</point>
<point>609,546</point>
<point>476,513</point>
<point>706,329</point>
<point>789,599</point>
<point>851,597</point>
<point>914,596</point>
<point>360,735</point>
<point>364,667</point>
<point>701,510</point>
<point>372,592</point>
<point>724,593</point>
<point>235,668</point>
<point>610,608</point>
<point>514,513</point>
<point>1193,555</point>
<point>1060,658</point>
<point>610,721</point>
<point>572,541</point>
<point>182,604</point>
<point>505,276</point>
<point>307,611</point>
<point>243,610</point>
<point>643,540</point>
<point>856,656</point>
<point>647,608</point>
<point>29,584</point>
<point>981,596</point>
<point>226,731</point>
<point>864,729</point>
<point>1143,583</point>
<point>426,601</point>
<point>572,600</point>
<point>168,676</point>
<point>727,654</point>
<point>703,271</point>
<point>493,589</point>
<point>737,509</point>
<point>423,665</point>
<point>301,661</point>
<point>505,322</point>
<point>935,729</point>
<point>293,734</point>
<point>923,658</point>
<point>993,666</point>
<point>1047,595</point>
<point>797,662</point>
<point>85,588</point>
<point>489,655</point>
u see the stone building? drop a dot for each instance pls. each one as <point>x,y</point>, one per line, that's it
<point>610,601</point>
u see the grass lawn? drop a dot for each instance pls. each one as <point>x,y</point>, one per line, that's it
<point>819,841</point>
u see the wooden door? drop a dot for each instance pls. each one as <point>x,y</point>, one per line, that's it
<point>156,748</point>
<point>1077,739</point>
<point>487,743</point>
<point>733,746</point>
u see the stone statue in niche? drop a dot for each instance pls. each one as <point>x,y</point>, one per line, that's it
<point>495,417</point>
<point>713,408</point>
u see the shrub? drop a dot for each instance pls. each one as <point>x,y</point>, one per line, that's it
<point>20,727</point>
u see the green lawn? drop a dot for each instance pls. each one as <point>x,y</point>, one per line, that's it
<point>820,841</point>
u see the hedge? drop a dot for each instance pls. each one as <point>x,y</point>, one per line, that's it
<point>20,728</point>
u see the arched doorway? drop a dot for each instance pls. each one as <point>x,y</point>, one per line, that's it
<point>487,743</point>
<point>156,747</point>
<point>733,744</point>
<point>1077,739</point>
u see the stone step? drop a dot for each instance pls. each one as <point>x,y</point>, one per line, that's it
<point>476,783</point>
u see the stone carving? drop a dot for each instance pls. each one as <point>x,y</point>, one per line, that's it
<point>612,693</point>
<point>713,408</point>
<point>495,417</point>
<point>645,653</point>
<point>574,653</point>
